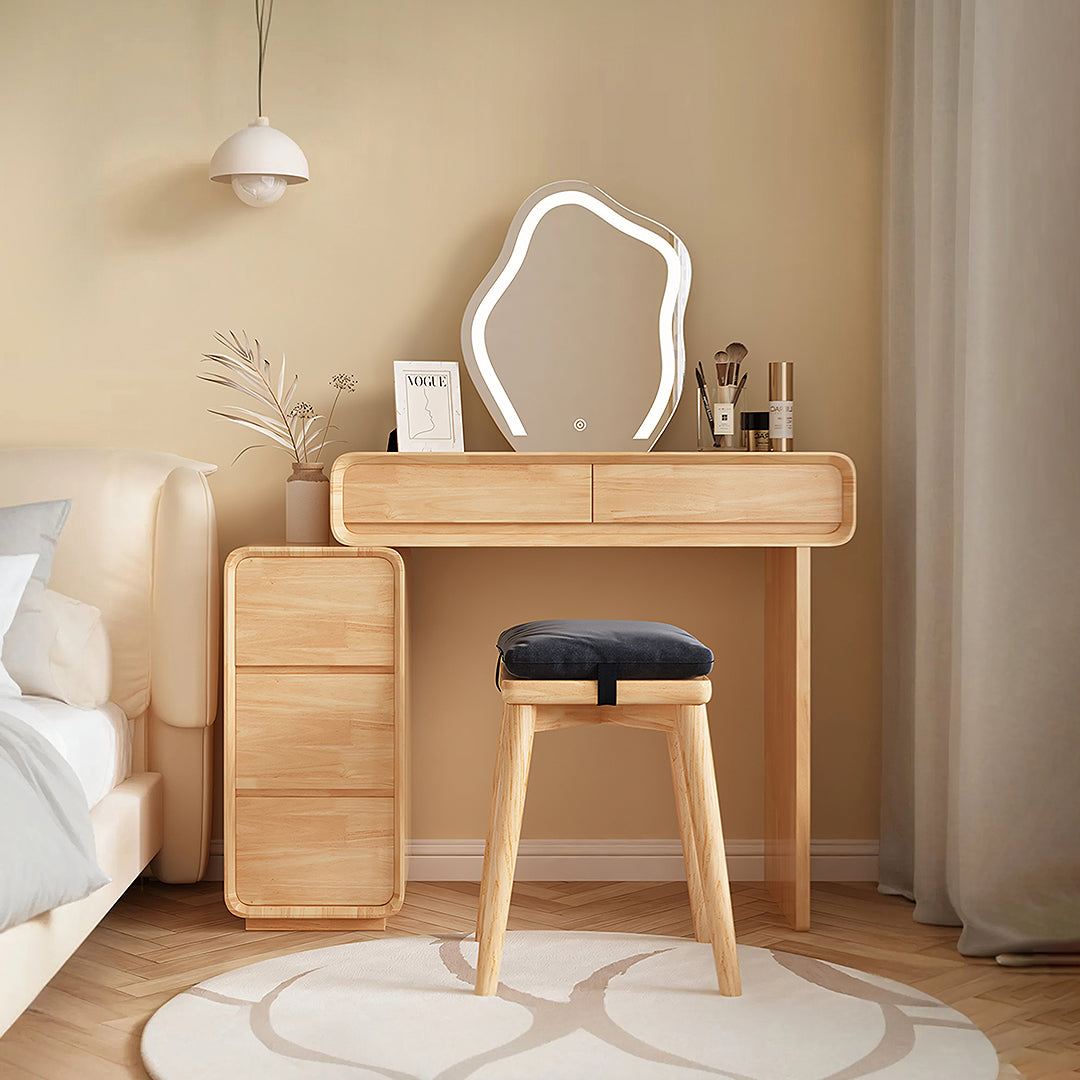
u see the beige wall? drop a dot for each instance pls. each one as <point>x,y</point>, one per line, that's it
<point>753,129</point>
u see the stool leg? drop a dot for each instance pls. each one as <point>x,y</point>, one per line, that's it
<point>686,834</point>
<point>491,839</point>
<point>507,807</point>
<point>692,732</point>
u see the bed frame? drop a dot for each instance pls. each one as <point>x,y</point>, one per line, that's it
<point>140,544</point>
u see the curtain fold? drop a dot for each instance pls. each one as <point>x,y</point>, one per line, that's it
<point>981,805</point>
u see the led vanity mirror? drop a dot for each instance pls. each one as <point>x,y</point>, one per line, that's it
<point>574,339</point>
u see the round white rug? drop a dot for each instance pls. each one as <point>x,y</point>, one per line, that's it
<point>570,1005</point>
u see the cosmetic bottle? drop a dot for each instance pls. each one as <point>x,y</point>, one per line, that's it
<point>781,405</point>
<point>755,431</point>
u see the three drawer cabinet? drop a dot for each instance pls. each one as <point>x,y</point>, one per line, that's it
<point>315,736</point>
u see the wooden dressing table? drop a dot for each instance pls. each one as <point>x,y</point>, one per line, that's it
<point>785,503</point>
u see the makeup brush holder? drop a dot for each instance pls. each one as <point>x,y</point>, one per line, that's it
<point>718,425</point>
<point>726,419</point>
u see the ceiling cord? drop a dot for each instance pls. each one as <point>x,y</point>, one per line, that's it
<point>264,12</point>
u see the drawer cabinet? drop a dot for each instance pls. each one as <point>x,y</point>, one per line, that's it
<point>314,736</point>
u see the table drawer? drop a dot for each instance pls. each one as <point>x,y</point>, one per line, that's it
<point>314,852</point>
<point>333,732</point>
<point>314,611</point>
<point>809,494</point>
<point>432,491</point>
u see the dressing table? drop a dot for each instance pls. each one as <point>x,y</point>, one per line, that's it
<point>784,503</point>
<point>316,639</point>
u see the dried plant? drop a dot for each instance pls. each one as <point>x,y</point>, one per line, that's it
<point>344,384</point>
<point>294,427</point>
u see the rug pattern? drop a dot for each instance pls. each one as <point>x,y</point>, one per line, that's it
<point>569,1005</point>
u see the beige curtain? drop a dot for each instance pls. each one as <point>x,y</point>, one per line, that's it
<point>981,803</point>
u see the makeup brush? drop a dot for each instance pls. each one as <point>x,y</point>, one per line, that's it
<point>721,367</point>
<point>736,351</point>
<point>738,390</point>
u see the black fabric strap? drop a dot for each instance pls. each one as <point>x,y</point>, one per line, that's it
<point>606,682</point>
<point>606,675</point>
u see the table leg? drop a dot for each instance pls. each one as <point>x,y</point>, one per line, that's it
<point>787,731</point>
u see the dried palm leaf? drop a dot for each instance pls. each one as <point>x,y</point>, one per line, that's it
<point>243,367</point>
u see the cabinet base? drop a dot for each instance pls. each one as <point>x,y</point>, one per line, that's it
<point>315,924</point>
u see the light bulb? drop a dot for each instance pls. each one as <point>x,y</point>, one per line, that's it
<point>256,190</point>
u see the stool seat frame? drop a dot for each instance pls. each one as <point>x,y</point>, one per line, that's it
<point>675,707</point>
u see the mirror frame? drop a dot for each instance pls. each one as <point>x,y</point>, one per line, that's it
<point>501,275</point>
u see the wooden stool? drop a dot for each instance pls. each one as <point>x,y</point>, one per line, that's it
<point>674,706</point>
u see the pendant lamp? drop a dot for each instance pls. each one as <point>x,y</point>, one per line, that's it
<point>259,161</point>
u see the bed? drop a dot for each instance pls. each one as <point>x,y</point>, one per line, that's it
<point>140,545</point>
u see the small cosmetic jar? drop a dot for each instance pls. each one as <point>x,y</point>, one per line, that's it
<point>755,430</point>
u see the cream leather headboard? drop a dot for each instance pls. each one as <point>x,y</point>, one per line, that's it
<point>140,544</point>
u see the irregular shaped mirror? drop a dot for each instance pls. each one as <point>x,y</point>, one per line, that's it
<point>574,338</point>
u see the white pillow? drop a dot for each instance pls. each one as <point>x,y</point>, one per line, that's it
<point>34,527</point>
<point>15,571</point>
<point>58,647</point>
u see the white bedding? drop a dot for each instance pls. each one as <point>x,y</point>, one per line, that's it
<point>96,743</point>
<point>47,847</point>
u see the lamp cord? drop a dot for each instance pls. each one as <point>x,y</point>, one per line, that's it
<point>264,12</point>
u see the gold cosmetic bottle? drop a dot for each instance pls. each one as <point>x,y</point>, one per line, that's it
<point>781,405</point>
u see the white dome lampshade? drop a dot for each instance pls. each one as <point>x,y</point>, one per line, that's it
<point>260,162</point>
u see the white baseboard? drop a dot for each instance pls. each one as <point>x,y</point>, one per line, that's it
<point>613,860</point>
<point>630,860</point>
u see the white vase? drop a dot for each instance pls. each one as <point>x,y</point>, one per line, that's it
<point>307,505</point>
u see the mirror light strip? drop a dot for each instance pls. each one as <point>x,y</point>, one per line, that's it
<point>517,257</point>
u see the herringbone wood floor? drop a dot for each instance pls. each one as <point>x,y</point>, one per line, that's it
<point>161,939</point>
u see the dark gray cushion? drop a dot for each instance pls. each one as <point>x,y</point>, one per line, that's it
<point>602,649</point>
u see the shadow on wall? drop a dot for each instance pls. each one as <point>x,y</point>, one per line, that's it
<point>177,202</point>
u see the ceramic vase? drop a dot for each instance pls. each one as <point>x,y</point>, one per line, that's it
<point>307,505</point>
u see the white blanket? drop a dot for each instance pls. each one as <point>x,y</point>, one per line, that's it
<point>47,855</point>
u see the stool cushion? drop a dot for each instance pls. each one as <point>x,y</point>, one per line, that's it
<point>602,649</point>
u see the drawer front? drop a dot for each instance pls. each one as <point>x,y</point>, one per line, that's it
<point>431,492</point>
<point>314,611</point>
<point>332,732</point>
<point>314,852</point>
<point>708,493</point>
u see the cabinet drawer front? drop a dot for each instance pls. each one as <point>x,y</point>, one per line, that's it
<point>331,732</point>
<point>781,493</point>
<point>317,852</point>
<point>430,491</point>
<point>315,611</point>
